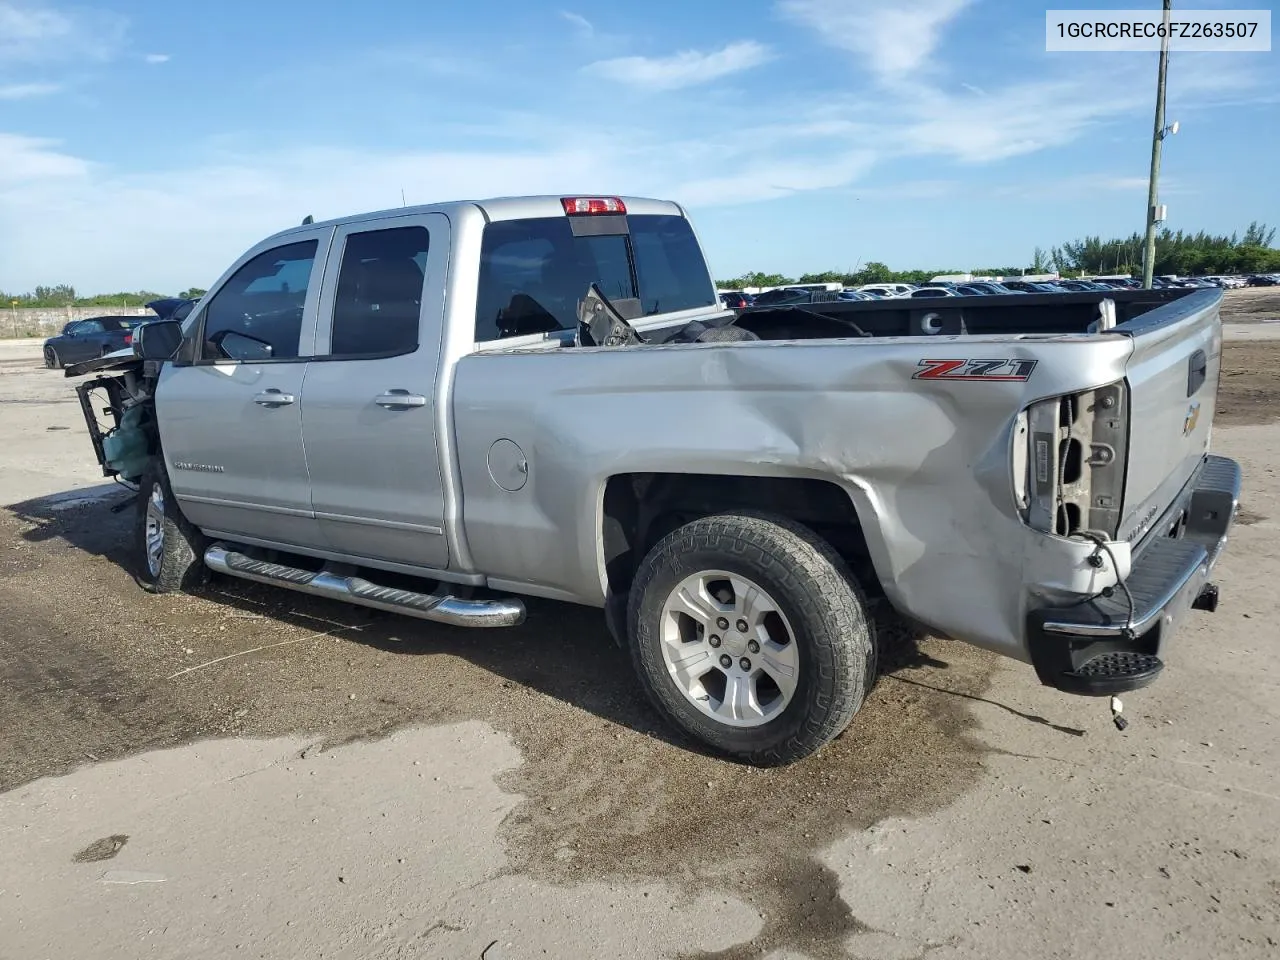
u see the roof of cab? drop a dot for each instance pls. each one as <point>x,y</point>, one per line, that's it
<point>495,208</point>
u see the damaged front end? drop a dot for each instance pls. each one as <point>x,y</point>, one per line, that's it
<point>119,403</point>
<point>119,413</point>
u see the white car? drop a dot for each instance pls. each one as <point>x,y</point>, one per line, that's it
<point>888,289</point>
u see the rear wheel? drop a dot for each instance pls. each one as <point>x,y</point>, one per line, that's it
<point>170,548</point>
<point>749,633</point>
<point>51,359</point>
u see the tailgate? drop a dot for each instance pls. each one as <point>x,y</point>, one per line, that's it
<point>1173,384</point>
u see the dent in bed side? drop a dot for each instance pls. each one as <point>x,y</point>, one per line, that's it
<point>934,501</point>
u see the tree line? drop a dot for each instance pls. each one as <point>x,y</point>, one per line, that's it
<point>1177,252</point>
<point>65,295</point>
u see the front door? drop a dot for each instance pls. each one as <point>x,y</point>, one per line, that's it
<point>83,342</point>
<point>231,421</point>
<point>369,410</point>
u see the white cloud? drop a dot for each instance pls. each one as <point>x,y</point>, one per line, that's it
<point>585,26</point>
<point>1026,116</point>
<point>1088,184</point>
<point>157,58</point>
<point>23,91</point>
<point>684,69</point>
<point>910,190</point>
<point>896,37</point>
<point>172,228</point>
<point>769,179</point>
<point>32,33</point>
<point>32,159</point>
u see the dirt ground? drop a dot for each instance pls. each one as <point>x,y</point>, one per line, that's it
<point>878,847</point>
<point>1251,305</point>
<point>1249,390</point>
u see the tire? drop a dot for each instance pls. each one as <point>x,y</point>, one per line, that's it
<point>170,549</point>
<point>814,605</point>
<point>726,334</point>
<point>51,359</point>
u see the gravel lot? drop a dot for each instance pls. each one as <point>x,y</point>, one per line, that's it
<point>351,784</point>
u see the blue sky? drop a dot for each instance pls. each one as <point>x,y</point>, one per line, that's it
<point>147,143</point>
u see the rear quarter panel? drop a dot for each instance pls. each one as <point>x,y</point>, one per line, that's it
<point>926,463</point>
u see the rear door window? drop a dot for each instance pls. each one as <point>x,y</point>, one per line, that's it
<point>379,296</point>
<point>669,264</point>
<point>534,272</point>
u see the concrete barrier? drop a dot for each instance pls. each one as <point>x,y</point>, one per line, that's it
<point>46,321</point>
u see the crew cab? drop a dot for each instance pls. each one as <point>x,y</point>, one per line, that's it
<point>440,410</point>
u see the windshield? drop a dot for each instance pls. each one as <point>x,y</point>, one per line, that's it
<point>533,272</point>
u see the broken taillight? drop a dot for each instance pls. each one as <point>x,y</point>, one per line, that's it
<point>1068,459</point>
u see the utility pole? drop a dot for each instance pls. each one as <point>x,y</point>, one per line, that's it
<point>1149,253</point>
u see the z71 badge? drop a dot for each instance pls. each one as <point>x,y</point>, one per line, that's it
<point>986,370</point>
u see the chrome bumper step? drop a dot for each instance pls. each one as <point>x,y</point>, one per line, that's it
<point>437,606</point>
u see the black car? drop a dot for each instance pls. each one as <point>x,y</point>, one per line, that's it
<point>782,297</point>
<point>88,339</point>
<point>1263,280</point>
<point>1031,286</point>
<point>735,300</point>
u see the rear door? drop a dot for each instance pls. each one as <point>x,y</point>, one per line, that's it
<point>369,414</point>
<point>1173,384</point>
<point>231,421</point>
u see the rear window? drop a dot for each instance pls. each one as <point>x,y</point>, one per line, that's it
<point>534,272</point>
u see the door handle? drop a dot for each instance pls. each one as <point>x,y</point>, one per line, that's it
<point>400,398</point>
<point>1197,372</point>
<point>274,398</point>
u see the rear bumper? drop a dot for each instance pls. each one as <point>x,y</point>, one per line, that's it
<point>1104,646</point>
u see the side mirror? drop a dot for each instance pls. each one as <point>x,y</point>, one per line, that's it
<point>157,340</point>
<point>241,346</point>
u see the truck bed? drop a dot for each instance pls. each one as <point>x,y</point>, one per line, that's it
<point>1028,314</point>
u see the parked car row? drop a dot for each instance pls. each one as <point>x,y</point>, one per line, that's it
<point>780,296</point>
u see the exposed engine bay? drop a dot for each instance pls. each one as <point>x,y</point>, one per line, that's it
<point>119,411</point>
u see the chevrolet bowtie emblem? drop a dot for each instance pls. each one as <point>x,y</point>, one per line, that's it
<point>1193,416</point>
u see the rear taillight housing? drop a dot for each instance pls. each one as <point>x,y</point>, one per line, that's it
<point>1068,461</point>
<point>128,339</point>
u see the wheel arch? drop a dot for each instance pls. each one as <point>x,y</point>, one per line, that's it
<point>637,509</point>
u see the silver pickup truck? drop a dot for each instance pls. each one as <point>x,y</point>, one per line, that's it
<point>437,410</point>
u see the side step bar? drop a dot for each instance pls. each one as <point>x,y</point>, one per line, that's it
<point>437,606</point>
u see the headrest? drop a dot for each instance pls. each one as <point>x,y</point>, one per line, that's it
<point>391,280</point>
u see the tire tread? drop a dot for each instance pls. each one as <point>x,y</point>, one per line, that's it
<point>816,582</point>
<point>182,567</point>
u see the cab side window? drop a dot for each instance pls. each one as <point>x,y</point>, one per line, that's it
<point>257,314</point>
<point>379,296</point>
